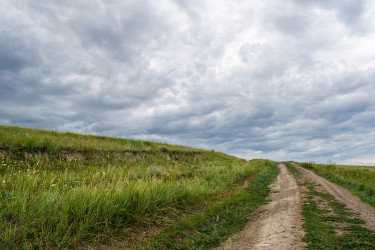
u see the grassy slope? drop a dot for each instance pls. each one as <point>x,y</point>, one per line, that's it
<point>211,228</point>
<point>359,180</point>
<point>68,190</point>
<point>14,138</point>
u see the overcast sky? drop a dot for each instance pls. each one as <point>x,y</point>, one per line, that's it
<point>278,79</point>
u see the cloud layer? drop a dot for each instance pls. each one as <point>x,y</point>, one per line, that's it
<point>272,79</point>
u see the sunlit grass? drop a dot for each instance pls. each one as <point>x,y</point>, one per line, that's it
<point>27,138</point>
<point>67,194</point>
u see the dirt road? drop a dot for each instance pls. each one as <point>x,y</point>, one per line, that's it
<point>355,204</point>
<point>277,225</point>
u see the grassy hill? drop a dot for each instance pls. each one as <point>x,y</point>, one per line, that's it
<point>62,190</point>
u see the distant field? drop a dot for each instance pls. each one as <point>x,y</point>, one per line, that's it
<point>68,190</point>
<point>354,167</point>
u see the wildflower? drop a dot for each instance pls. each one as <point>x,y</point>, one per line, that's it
<point>53,185</point>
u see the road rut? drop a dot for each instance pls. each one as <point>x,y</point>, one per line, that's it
<point>278,224</point>
<point>355,204</point>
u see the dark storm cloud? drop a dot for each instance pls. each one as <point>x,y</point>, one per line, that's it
<point>272,79</point>
<point>15,53</point>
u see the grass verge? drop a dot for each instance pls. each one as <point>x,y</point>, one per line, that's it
<point>328,223</point>
<point>212,227</point>
<point>293,170</point>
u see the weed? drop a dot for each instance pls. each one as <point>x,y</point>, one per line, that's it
<point>212,227</point>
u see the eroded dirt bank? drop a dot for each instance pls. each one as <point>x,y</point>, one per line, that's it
<point>277,225</point>
<point>355,204</point>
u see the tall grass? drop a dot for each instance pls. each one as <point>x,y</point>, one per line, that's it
<point>211,228</point>
<point>357,180</point>
<point>63,197</point>
<point>37,139</point>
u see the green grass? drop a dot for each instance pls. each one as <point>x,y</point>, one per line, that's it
<point>358,180</point>
<point>65,190</point>
<point>212,227</point>
<point>370,169</point>
<point>322,223</point>
<point>293,170</point>
<point>17,138</point>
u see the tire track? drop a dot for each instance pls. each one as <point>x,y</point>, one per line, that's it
<point>277,225</point>
<point>363,210</point>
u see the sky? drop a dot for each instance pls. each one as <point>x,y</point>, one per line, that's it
<point>276,79</point>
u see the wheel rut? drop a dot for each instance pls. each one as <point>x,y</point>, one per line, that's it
<point>278,224</point>
<point>355,204</point>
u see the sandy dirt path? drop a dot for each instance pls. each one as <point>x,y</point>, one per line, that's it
<point>363,210</point>
<point>278,224</point>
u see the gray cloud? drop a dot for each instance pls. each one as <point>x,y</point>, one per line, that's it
<point>280,80</point>
<point>348,11</point>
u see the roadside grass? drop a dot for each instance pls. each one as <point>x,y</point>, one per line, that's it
<point>293,170</point>
<point>212,227</point>
<point>79,190</point>
<point>329,224</point>
<point>359,181</point>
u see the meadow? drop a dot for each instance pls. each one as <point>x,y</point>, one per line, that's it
<point>60,190</point>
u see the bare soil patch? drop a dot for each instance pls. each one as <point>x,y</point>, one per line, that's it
<point>278,224</point>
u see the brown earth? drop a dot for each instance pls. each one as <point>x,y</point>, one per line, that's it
<point>355,204</point>
<point>278,224</point>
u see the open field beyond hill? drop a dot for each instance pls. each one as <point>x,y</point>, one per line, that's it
<point>70,190</point>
